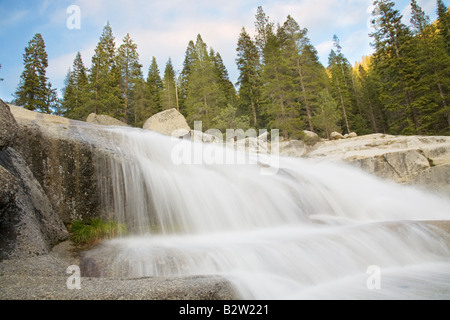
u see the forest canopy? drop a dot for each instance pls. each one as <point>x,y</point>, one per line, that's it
<point>402,88</point>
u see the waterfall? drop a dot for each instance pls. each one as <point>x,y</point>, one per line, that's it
<point>312,230</point>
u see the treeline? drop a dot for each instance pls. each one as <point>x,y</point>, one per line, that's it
<point>401,89</point>
<point>115,85</point>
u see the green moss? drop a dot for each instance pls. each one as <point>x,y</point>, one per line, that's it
<point>94,230</point>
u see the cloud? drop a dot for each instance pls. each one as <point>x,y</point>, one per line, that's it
<point>163,28</point>
<point>12,20</point>
<point>356,45</point>
<point>324,49</point>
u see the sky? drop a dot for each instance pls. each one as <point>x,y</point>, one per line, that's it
<point>163,29</point>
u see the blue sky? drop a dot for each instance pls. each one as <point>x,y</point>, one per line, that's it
<point>163,28</point>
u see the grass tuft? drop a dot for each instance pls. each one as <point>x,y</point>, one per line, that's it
<point>95,230</point>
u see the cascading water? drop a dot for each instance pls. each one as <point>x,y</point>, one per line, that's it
<point>313,230</point>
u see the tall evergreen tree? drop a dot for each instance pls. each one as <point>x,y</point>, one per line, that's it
<point>75,93</point>
<point>189,59</point>
<point>169,96</point>
<point>329,115</point>
<point>223,77</point>
<point>139,104</point>
<point>429,70</point>
<point>52,100</point>
<point>204,97</point>
<point>279,92</point>
<point>154,88</point>
<point>341,81</point>
<point>443,23</point>
<point>263,28</point>
<point>32,92</point>
<point>249,81</point>
<point>104,77</point>
<point>369,86</point>
<point>392,45</point>
<point>130,71</point>
<point>309,72</point>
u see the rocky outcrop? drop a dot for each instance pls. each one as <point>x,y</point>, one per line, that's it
<point>62,160</point>
<point>8,126</point>
<point>45,278</point>
<point>169,122</point>
<point>65,157</point>
<point>61,157</point>
<point>417,160</point>
<point>28,223</point>
<point>105,120</point>
<point>292,148</point>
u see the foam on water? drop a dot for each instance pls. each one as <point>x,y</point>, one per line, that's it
<point>310,231</point>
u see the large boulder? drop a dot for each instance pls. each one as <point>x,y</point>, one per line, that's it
<point>8,126</point>
<point>169,122</point>
<point>104,120</point>
<point>310,138</point>
<point>58,152</point>
<point>336,136</point>
<point>28,224</point>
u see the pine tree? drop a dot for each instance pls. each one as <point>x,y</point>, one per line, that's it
<point>52,101</point>
<point>140,102</point>
<point>189,59</point>
<point>169,96</point>
<point>223,77</point>
<point>341,79</point>
<point>249,81</point>
<point>130,72</point>
<point>263,29</point>
<point>280,96</point>
<point>32,92</point>
<point>329,115</point>
<point>228,118</point>
<point>310,74</point>
<point>154,88</point>
<point>443,23</point>
<point>391,59</point>
<point>369,87</point>
<point>1,79</point>
<point>104,77</point>
<point>75,93</point>
<point>429,70</point>
<point>204,97</point>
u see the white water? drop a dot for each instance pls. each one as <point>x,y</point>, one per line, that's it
<point>309,232</point>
